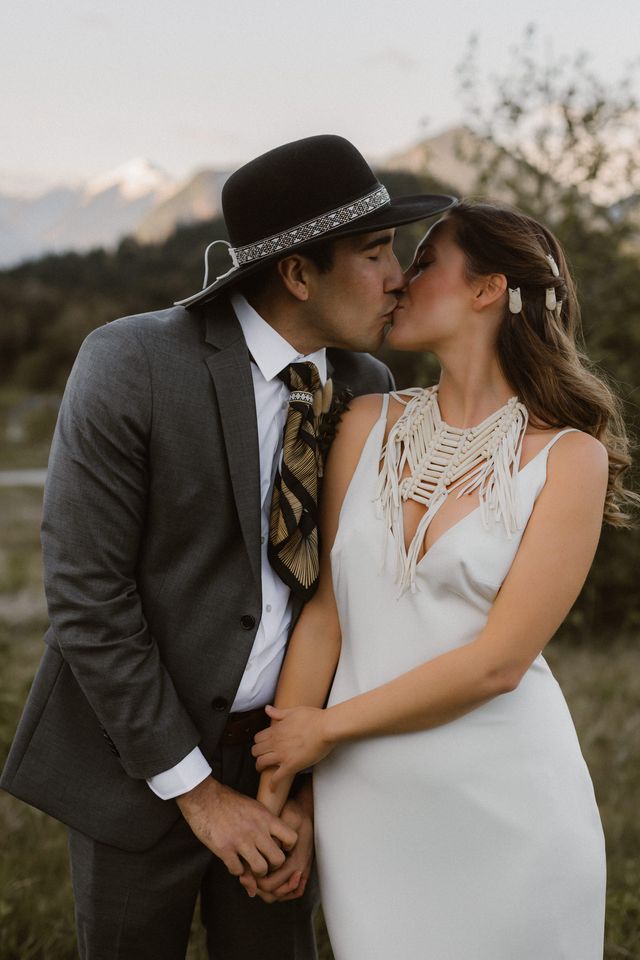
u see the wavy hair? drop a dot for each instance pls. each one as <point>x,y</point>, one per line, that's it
<point>540,350</point>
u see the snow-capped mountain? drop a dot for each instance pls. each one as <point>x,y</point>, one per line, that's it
<point>133,180</point>
<point>197,199</point>
<point>98,213</point>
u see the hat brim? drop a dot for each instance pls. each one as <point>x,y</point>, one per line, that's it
<point>397,213</point>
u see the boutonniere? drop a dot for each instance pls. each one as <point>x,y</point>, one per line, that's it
<point>329,408</point>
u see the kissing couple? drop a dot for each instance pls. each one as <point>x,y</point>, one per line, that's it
<point>288,601</point>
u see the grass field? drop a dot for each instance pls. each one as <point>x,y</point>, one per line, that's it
<point>602,686</point>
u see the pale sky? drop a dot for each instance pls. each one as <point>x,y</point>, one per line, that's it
<point>87,85</point>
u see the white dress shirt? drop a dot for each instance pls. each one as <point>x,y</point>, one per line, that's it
<point>270,353</point>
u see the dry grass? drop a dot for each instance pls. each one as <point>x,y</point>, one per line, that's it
<point>602,686</point>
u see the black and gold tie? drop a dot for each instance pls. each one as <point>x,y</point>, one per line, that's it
<point>293,530</point>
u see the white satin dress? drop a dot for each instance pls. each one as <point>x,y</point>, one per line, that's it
<point>476,840</point>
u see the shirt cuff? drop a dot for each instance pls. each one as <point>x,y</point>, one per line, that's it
<point>186,775</point>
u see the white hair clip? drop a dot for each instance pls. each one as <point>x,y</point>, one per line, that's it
<point>515,300</point>
<point>550,301</point>
<point>553,265</point>
<point>558,309</point>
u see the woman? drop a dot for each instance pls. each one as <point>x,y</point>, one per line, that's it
<point>455,816</point>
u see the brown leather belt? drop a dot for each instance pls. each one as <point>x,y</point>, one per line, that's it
<point>242,727</point>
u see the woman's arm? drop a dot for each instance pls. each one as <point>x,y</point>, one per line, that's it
<point>307,672</point>
<point>314,647</point>
<point>547,574</point>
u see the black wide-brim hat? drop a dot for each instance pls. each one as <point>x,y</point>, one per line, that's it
<point>313,189</point>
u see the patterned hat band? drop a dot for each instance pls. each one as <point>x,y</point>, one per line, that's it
<point>312,228</point>
<point>279,242</point>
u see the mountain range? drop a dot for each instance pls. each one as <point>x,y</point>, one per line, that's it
<point>136,199</point>
<point>139,199</point>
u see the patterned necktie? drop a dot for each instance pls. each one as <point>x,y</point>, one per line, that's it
<point>293,529</point>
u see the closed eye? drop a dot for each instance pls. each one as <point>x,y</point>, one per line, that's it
<point>373,246</point>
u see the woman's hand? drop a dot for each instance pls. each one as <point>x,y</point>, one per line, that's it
<point>295,740</point>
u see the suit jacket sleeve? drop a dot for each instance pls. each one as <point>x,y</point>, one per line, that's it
<point>93,522</point>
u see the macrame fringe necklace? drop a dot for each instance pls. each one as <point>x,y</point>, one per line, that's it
<point>440,459</point>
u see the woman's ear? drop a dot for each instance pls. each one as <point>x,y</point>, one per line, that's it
<point>488,290</point>
<point>295,276</point>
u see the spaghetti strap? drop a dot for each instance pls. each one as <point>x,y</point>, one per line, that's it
<point>560,433</point>
<point>385,406</point>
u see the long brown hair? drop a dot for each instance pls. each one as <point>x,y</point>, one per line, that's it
<point>540,349</point>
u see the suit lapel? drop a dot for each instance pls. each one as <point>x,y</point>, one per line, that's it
<point>231,373</point>
<point>338,383</point>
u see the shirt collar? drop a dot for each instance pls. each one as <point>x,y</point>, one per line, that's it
<point>270,352</point>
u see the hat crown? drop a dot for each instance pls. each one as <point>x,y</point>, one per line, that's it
<point>292,184</point>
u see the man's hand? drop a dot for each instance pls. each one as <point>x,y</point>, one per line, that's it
<point>289,881</point>
<point>239,830</point>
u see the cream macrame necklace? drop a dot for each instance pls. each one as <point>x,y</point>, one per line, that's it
<point>441,458</point>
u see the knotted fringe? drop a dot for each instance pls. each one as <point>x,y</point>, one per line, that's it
<point>440,459</point>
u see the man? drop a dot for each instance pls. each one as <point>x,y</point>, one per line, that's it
<point>172,581</point>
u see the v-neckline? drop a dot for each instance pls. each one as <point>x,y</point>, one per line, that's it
<point>466,435</point>
<point>471,513</point>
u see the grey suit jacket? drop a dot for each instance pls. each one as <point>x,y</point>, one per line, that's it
<point>151,546</point>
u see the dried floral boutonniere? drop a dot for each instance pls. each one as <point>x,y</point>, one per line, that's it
<point>329,408</point>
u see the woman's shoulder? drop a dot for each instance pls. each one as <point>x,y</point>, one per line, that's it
<point>574,478</point>
<point>362,414</point>
<point>573,450</point>
<point>565,443</point>
<point>570,443</point>
<point>577,469</point>
<point>366,410</point>
<point>354,430</point>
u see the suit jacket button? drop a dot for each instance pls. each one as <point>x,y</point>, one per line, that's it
<point>219,704</point>
<point>248,622</point>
